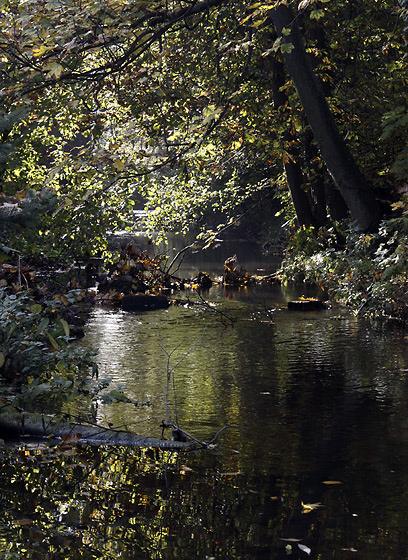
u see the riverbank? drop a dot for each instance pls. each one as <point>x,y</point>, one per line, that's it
<point>365,271</point>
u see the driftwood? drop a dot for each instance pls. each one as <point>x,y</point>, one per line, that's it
<point>14,421</point>
<point>306,305</point>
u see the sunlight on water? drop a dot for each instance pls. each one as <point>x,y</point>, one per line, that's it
<point>316,409</point>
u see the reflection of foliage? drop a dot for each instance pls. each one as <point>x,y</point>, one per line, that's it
<point>72,502</point>
<point>78,502</point>
<point>115,505</point>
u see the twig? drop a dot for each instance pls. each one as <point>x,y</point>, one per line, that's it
<point>170,376</point>
<point>226,320</point>
<point>224,428</point>
<point>167,271</point>
<point>170,372</point>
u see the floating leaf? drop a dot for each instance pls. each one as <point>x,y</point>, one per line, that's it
<point>331,482</point>
<point>305,548</point>
<point>307,508</point>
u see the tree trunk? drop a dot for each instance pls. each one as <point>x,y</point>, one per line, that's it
<point>293,168</point>
<point>16,422</point>
<point>363,206</point>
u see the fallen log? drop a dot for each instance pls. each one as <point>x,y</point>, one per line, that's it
<point>143,302</point>
<point>17,422</point>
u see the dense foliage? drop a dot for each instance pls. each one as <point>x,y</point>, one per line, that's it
<point>200,112</point>
<point>368,271</point>
<point>188,107</point>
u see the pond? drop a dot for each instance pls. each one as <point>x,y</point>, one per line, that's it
<point>313,462</point>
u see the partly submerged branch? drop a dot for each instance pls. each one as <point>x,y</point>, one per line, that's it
<point>15,421</point>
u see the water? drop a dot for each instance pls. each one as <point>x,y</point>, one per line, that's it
<point>316,409</point>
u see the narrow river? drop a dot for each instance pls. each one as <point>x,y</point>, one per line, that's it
<point>313,462</point>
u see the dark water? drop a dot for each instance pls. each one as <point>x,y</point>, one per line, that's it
<point>317,409</point>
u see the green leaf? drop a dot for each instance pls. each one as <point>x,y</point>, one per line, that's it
<point>119,165</point>
<point>65,326</point>
<point>12,329</point>
<point>54,70</point>
<point>287,47</point>
<point>317,14</point>
<point>53,342</point>
<point>38,389</point>
<point>285,31</point>
<point>43,324</point>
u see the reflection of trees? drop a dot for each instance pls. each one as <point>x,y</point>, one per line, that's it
<point>116,503</point>
<point>321,398</point>
<point>90,503</point>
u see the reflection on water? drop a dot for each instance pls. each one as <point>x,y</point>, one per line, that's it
<point>317,408</point>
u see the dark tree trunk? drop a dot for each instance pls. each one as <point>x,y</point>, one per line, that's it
<point>300,199</point>
<point>293,168</point>
<point>363,206</point>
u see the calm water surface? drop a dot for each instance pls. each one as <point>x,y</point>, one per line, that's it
<point>316,405</point>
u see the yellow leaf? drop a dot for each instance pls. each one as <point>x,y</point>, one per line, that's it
<point>39,51</point>
<point>307,508</point>
<point>332,482</point>
<point>396,205</point>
